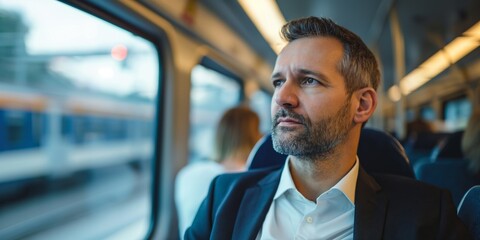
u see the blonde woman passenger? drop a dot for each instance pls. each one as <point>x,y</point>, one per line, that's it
<point>236,134</point>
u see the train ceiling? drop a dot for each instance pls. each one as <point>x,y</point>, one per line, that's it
<point>427,25</point>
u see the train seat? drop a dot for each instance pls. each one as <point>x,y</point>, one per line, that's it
<point>419,147</point>
<point>469,211</point>
<point>451,174</point>
<point>378,152</point>
<point>449,148</point>
<point>263,155</point>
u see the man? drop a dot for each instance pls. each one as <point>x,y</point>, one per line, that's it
<point>325,81</point>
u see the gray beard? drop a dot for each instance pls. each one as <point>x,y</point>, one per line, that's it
<point>315,141</point>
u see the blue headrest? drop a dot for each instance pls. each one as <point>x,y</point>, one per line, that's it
<point>378,152</point>
<point>469,211</point>
<point>263,155</point>
<point>451,174</point>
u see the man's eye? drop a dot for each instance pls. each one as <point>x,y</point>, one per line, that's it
<point>310,81</point>
<point>277,83</point>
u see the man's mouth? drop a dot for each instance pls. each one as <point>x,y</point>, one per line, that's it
<point>288,121</point>
<point>285,118</point>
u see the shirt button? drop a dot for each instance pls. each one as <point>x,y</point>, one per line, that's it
<point>309,219</point>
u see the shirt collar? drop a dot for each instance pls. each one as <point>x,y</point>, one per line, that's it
<point>346,185</point>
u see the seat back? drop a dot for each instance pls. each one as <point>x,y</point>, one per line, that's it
<point>451,174</point>
<point>378,152</point>
<point>263,155</point>
<point>421,145</point>
<point>449,148</point>
<point>469,211</point>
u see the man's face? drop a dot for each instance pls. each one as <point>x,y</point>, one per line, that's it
<point>311,110</point>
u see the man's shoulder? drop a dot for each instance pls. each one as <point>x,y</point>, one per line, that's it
<point>396,180</point>
<point>429,209</point>
<point>403,187</point>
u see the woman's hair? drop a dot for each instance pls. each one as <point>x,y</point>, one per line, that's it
<point>237,133</point>
<point>471,141</point>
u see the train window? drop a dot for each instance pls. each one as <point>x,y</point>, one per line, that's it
<point>260,102</point>
<point>427,113</point>
<point>456,113</point>
<point>211,94</point>
<point>14,122</point>
<point>37,128</point>
<point>410,114</point>
<point>77,95</point>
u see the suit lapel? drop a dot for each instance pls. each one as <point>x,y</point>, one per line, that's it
<point>254,207</point>
<point>370,208</point>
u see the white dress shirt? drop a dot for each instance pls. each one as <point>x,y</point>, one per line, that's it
<point>292,216</point>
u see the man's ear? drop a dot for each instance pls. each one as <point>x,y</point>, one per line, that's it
<point>367,102</point>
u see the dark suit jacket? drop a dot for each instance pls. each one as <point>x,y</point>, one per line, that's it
<point>386,207</point>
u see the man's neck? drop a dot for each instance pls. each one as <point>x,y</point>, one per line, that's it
<point>312,177</point>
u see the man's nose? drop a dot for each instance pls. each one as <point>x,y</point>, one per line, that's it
<point>286,95</point>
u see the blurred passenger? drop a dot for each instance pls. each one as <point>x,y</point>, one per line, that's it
<point>419,125</point>
<point>236,134</point>
<point>471,141</point>
<point>420,140</point>
<point>416,127</point>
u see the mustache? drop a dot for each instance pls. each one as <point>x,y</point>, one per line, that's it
<point>285,113</point>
